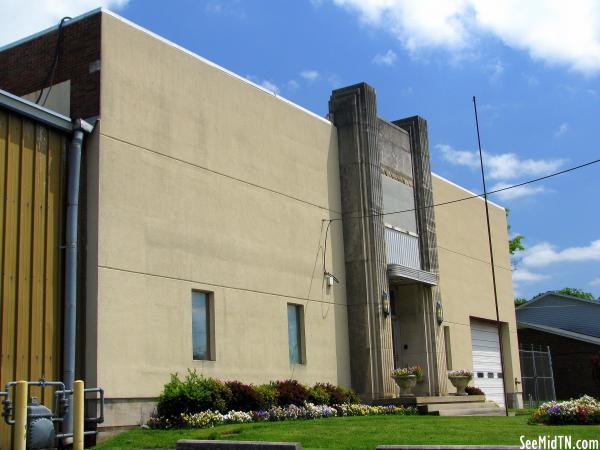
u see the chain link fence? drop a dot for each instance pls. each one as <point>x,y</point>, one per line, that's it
<point>536,375</point>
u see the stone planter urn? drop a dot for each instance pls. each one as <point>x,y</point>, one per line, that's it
<point>460,383</point>
<point>406,383</point>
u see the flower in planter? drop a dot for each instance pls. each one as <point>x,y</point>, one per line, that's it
<point>417,371</point>
<point>460,373</point>
<point>460,379</point>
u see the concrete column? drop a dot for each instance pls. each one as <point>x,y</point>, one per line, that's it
<point>354,112</point>
<point>419,143</point>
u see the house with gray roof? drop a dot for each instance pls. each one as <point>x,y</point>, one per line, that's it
<point>570,328</point>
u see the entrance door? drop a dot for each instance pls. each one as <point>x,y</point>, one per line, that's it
<point>486,360</point>
<point>397,345</point>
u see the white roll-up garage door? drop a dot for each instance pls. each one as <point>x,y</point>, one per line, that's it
<point>487,368</point>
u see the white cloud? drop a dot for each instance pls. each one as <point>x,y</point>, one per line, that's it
<point>502,166</point>
<point>562,129</point>
<point>270,86</point>
<point>21,19</point>
<point>385,59</point>
<point>546,29</point>
<point>595,282</point>
<point>524,275</point>
<point>334,80</point>
<point>214,7</point>
<point>544,254</point>
<point>293,85</point>
<point>218,7</point>
<point>417,25</point>
<point>310,75</point>
<point>517,192</point>
<point>532,80</point>
<point>495,71</point>
<point>267,84</point>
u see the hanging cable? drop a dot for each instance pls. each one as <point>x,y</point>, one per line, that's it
<point>52,72</point>
<point>325,245</point>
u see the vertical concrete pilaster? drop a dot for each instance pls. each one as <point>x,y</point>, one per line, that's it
<point>419,142</point>
<point>354,112</point>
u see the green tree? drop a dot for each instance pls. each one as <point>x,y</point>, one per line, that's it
<point>574,292</point>
<point>520,301</point>
<point>516,243</point>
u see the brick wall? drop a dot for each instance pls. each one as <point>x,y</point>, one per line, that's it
<point>24,68</point>
<point>573,374</point>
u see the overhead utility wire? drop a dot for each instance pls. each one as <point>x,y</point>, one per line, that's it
<point>570,169</point>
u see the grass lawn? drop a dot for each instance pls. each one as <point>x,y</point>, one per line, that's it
<point>362,432</point>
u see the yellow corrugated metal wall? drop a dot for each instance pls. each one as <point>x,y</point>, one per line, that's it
<point>32,168</point>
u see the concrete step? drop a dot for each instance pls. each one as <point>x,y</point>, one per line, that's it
<point>465,409</point>
<point>474,412</point>
<point>456,406</point>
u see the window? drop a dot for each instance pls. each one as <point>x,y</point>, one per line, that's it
<point>201,326</point>
<point>448,348</point>
<point>398,196</point>
<point>296,333</point>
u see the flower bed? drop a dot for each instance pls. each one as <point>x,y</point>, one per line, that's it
<point>208,419</point>
<point>198,402</point>
<point>583,411</point>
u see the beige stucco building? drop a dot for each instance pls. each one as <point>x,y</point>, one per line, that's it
<point>197,180</point>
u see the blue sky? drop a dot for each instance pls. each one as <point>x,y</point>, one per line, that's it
<point>534,67</point>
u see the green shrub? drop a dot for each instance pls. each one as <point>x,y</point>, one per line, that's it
<point>291,392</point>
<point>319,395</point>
<point>472,390</point>
<point>244,397</point>
<point>339,395</point>
<point>269,394</point>
<point>192,395</point>
<point>352,397</point>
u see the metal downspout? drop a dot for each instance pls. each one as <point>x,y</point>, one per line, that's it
<point>70,320</point>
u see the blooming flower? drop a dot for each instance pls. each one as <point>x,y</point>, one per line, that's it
<point>460,373</point>
<point>209,419</point>
<point>580,411</point>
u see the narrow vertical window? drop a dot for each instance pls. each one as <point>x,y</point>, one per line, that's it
<point>295,333</point>
<point>201,325</point>
<point>448,348</point>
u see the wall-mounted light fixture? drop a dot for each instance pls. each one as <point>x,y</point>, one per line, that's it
<point>330,279</point>
<point>385,303</point>
<point>439,313</point>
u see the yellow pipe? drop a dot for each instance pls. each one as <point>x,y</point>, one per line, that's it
<point>20,416</point>
<point>78,404</point>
